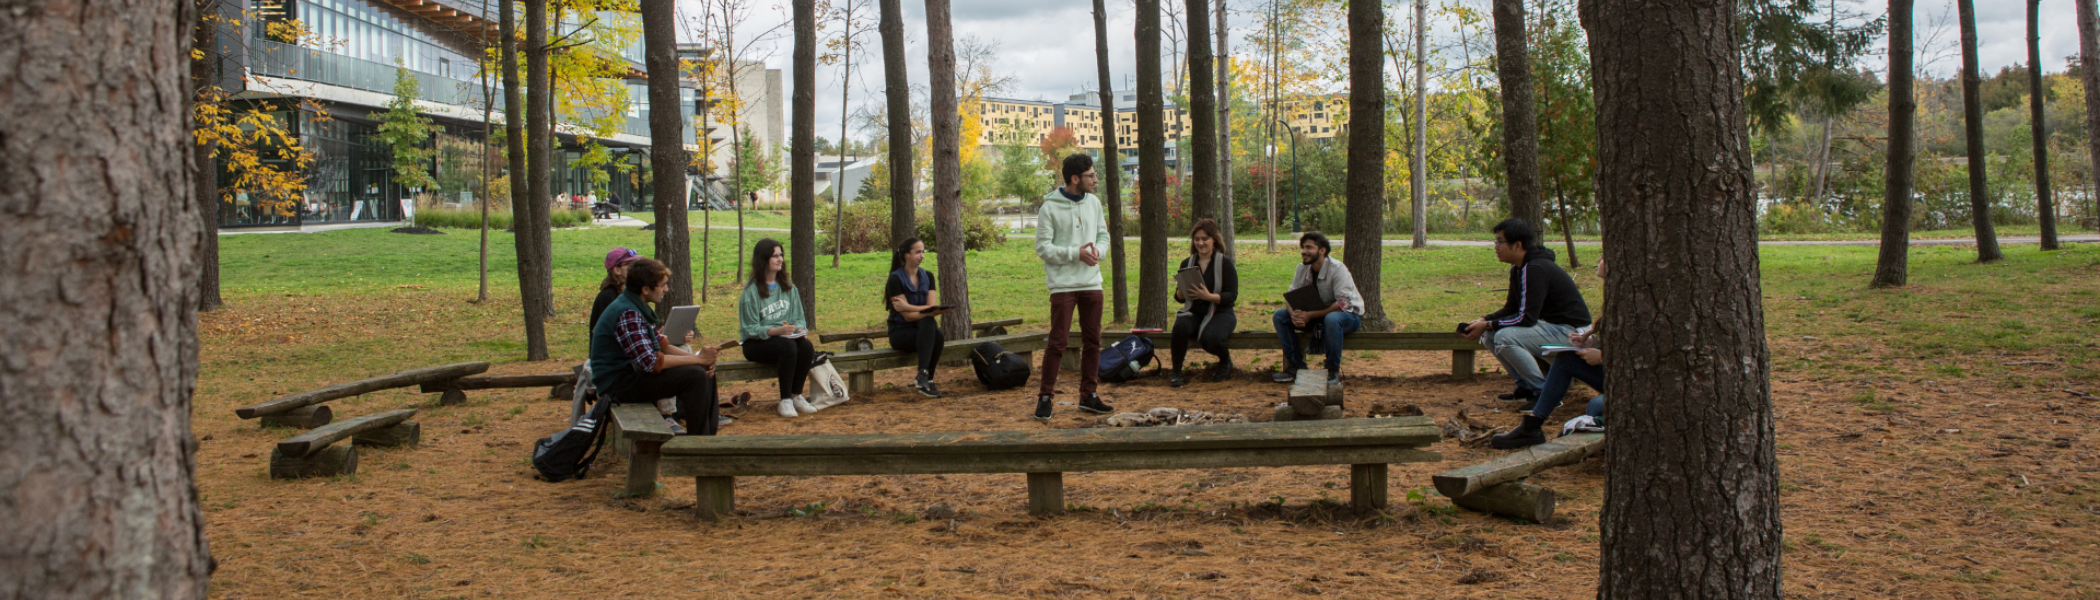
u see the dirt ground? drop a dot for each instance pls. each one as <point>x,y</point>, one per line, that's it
<point>1891,489</point>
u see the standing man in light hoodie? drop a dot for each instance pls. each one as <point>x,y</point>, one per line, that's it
<point>1069,236</point>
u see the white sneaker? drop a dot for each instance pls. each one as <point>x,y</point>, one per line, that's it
<point>803,406</point>
<point>787,408</point>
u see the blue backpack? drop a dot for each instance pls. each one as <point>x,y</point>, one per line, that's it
<point>1126,359</point>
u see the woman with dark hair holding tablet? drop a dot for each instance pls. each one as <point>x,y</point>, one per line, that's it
<point>775,330</point>
<point>1206,310</point>
<point>909,296</point>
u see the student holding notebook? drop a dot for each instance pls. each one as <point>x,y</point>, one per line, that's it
<point>1206,310</point>
<point>775,330</point>
<point>909,297</point>
<point>1340,309</point>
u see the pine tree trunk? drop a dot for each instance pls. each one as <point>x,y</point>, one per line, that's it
<point>204,176</point>
<point>1202,160</point>
<point>802,160</point>
<point>1691,499</point>
<point>838,179</point>
<point>1520,132</point>
<point>1893,267</point>
<point>903,211</point>
<point>947,170</point>
<point>1152,172</point>
<point>514,147</point>
<point>98,362</point>
<point>1228,219</point>
<point>1972,127</point>
<point>2089,72</point>
<point>1364,250</point>
<point>534,279</point>
<point>488,110</point>
<point>1418,192</point>
<point>2045,207</point>
<point>1111,168</point>
<point>667,158</point>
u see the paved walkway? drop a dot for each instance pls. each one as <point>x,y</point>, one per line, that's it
<point>313,228</point>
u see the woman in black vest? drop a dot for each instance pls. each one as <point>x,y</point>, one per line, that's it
<point>909,296</point>
<point>1206,312</point>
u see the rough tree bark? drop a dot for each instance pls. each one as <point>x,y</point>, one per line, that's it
<point>1228,220</point>
<point>1972,127</point>
<point>1691,501</point>
<point>1520,132</point>
<point>1892,269</point>
<point>1366,182</point>
<point>205,175</point>
<point>2046,205</point>
<point>2089,72</point>
<point>802,159</point>
<point>530,221</point>
<point>1202,160</point>
<point>1152,172</point>
<point>1418,191</point>
<point>514,144</point>
<point>1111,168</point>
<point>667,157</point>
<point>947,170</point>
<point>903,213</point>
<point>99,360</point>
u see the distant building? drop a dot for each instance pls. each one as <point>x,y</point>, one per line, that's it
<point>1314,118</point>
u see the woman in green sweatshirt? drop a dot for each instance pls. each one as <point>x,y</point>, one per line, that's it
<point>775,330</point>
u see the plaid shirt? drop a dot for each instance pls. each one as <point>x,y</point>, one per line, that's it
<point>638,339</point>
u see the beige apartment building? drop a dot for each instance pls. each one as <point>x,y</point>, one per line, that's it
<point>1314,117</point>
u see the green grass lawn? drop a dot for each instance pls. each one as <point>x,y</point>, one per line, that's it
<point>768,219</point>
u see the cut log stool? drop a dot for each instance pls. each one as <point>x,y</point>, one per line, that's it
<point>1311,398</point>
<point>304,417</point>
<point>1517,499</point>
<point>1494,486</point>
<point>310,455</point>
<point>332,460</point>
<point>408,434</point>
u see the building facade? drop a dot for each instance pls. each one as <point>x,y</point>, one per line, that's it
<point>1315,118</point>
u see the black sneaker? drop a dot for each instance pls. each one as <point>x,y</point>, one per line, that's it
<point>1175,379</point>
<point>1221,372</point>
<point>1521,394</point>
<point>1286,376</point>
<point>1092,403</point>
<point>1042,406</point>
<point>927,389</point>
<point>1334,378</point>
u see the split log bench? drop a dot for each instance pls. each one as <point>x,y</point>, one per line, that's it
<point>294,402</point>
<point>1367,445</point>
<point>638,433</point>
<point>1311,390</point>
<point>1461,348</point>
<point>1494,487</point>
<point>859,367</point>
<point>865,340</point>
<point>311,454</point>
<point>455,391</point>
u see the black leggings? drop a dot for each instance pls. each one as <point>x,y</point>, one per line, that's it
<point>789,356</point>
<point>1212,339</point>
<point>922,336</point>
<point>690,383</point>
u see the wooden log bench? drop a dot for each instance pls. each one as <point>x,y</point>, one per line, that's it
<point>1461,348</point>
<point>639,431</point>
<point>865,340</point>
<point>1494,486</point>
<point>312,454</point>
<point>562,385</point>
<point>360,387</point>
<point>859,367</point>
<point>1367,445</point>
<point>1311,390</point>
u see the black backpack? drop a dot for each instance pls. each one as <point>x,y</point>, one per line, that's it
<point>998,369</point>
<point>568,453</point>
<point>1127,359</point>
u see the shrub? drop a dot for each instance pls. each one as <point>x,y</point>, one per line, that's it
<point>867,228</point>
<point>978,230</point>
<point>470,218</point>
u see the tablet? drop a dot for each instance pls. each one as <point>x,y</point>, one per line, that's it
<point>680,322</point>
<point>1188,278</point>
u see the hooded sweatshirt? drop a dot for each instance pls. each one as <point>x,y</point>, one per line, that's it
<point>1063,226</point>
<point>1540,291</point>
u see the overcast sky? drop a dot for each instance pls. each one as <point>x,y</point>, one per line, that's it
<point>1048,46</point>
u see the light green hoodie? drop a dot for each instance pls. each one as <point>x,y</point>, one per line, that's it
<point>1062,227</point>
<point>754,315</point>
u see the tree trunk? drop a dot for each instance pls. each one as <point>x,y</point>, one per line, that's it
<point>530,212</point>
<point>1520,137</point>
<point>1202,161</point>
<point>2089,70</point>
<point>99,303</point>
<point>667,158</point>
<point>903,210</point>
<point>514,151</point>
<point>1972,122</point>
<point>838,180</point>
<point>1822,168</point>
<point>2046,205</point>
<point>1111,167</point>
<point>488,120</point>
<point>1893,267</point>
<point>947,170</point>
<point>1365,249</point>
<point>1274,109</point>
<point>1691,499</point>
<point>1418,192</point>
<point>204,178</point>
<point>1152,172</point>
<point>802,159</point>
<point>1228,216</point>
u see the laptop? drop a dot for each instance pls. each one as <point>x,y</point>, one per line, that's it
<point>1305,298</point>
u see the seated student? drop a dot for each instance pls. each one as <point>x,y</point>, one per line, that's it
<point>616,263</point>
<point>1342,316</point>
<point>909,294</point>
<point>1206,311</point>
<point>1542,307</point>
<point>632,362</point>
<point>775,330</point>
<point>1586,364</point>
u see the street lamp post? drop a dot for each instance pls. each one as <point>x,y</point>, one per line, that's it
<point>1295,225</point>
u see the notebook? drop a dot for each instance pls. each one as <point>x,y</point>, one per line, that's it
<point>1305,298</point>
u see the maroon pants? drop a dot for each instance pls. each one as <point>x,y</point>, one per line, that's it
<point>1061,304</point>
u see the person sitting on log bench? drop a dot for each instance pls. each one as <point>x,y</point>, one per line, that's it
<point>632,362</point>
<point>1585,363</point>
<point>1542,307</point>
<point>1206,312</point>
<point>909,298</point>
<point>775,330</point>
<point>1342,316</point>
